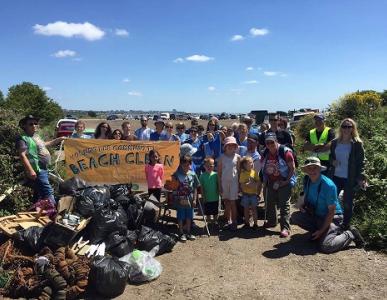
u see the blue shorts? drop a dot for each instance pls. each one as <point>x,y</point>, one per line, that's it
<point>249,200</point>
<point>184,213</point>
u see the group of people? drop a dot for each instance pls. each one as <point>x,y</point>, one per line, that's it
<point>235,167</point>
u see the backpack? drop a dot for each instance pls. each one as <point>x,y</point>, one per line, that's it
<point>282,150</point>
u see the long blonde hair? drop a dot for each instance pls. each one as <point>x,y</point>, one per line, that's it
<point>354,133</point>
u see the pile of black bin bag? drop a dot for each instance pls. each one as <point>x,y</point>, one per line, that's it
<point>118,218</point>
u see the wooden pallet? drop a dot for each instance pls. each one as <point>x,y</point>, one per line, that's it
<point>23,220</point>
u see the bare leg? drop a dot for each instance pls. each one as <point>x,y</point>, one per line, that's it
<point>254,213</point>
<point>247,215</point>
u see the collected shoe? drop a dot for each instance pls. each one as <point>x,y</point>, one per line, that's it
<point>268,225</point>
<point>183,238</point>
<point>358,239</point>
<point>284,233</point>
<point>233,226</point>
<point>191,237</point>
<point>255,227</point>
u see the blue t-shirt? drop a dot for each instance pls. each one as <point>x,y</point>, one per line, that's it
<point>143,134</point>
<point>155,136</point>
<point>199,155</point>
<point>326,197</point>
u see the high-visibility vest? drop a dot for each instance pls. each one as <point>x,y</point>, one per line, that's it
<point>322,141</point>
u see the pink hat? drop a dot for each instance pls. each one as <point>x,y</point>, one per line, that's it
<point>230,140</point>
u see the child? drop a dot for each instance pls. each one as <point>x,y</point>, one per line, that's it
<point>185,196</point>
<point>154,172</point>
<point>210,190</point>
<point>249,185</point>
<point>228,169</point>
<point>79,129</point>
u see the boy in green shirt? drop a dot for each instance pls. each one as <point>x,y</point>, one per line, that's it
<point>210,190</point>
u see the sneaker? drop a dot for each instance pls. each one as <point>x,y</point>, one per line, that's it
<point>284,233</point>
<point>246,226</point>
<point>268,225</point>
<point>183,238</point>
<point>255,227</point>
<point>233,226</point>
<point>191,237</point>
<point>358,239</point>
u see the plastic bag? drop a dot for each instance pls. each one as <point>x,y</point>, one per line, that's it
<point>150,213</point>
<point>108,276</point>
<point>118,244</point>
<point>89,199</point>
<point>71,186</point>
<point>119,190</point>
<point>135,215</point>
<point>33,237</point>
<point>149,238</point>
<point>142,265</point>
<point>107,219</point>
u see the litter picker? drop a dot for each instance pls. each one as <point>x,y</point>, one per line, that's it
<point>204,217</point>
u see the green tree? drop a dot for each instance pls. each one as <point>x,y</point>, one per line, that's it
<point>384,97</point>
<point>91,114</point>
<point>1,99</point>
<point>27,98</point>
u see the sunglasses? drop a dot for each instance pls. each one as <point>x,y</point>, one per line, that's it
<point>179,128</point>
<point>106,127</point>
<point>269,142</point>
<point>117,133</point>
<point>193,131</point>
<point>346,126</point>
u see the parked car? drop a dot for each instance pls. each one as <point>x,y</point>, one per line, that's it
<point>233,117</point>
<point>172,116</point>
<point>65,127</point>
<point>165,116</point>
<point>155,117</point>
<point>112,117</point>
<point>223,116</point>
<point>204,117</point>
<point>298,116</point>
<point>195,117</point>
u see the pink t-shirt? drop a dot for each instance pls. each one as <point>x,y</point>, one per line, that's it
<point>154,175</point>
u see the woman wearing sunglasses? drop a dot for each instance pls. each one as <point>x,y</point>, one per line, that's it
<point>117,135</point>
<point>347,165</point>
<point>169,136</point>
<point>103,131</point>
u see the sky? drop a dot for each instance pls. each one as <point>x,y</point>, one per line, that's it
<point>194,55</point>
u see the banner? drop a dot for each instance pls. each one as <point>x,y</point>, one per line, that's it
<point>117,162</point>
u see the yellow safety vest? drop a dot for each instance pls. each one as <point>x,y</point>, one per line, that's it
<point>322,141</point>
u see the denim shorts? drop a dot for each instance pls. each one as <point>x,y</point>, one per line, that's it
<point>184,213</point>
<point>249,200</point>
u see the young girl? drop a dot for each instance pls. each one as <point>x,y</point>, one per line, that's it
<point>154,172</point>
<point>228,170</point>
<point>249,185</point>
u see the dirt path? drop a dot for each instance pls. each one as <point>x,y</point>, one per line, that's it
<point>260,265</point>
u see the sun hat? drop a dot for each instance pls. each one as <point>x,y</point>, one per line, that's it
<point>313,161</point>
<point>253,137</point>
<point>230,140</point>
<point>270,136</point>
<point>187,149</point>
<point>319,117</point>
<point>23,121</point>
<point>160,121</point>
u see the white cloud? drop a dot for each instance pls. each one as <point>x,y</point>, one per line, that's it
<point>85,30</point>
<point>258,31</point>
<point>250,82</point>
<point>211,88</point>
<point>284,75</point>
<point>179,60</point>
<point>77,59</point>
<point>270,73</point>
<point>126,80</point>
<point>64,53</point>
<point>199,58</point>
<point>121,32</point>
<point>135,94</point>
<point>249,69</point>
<point>237,37</point>
<point>47,88</point>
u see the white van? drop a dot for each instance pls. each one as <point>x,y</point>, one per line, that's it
<point>164,116</point>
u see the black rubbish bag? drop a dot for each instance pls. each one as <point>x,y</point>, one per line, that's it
<point>123,200</point>
<point>117,244</point>
<point>119,190</point>
<point>89,199</point>
<point>150,213</point>
<point>108,276</point>
<point>33,237</point>
<point>135,215</point>
<point>149,238</point>
<point>131,237</point>
<point>72,185</point>
<point>105,221</point>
